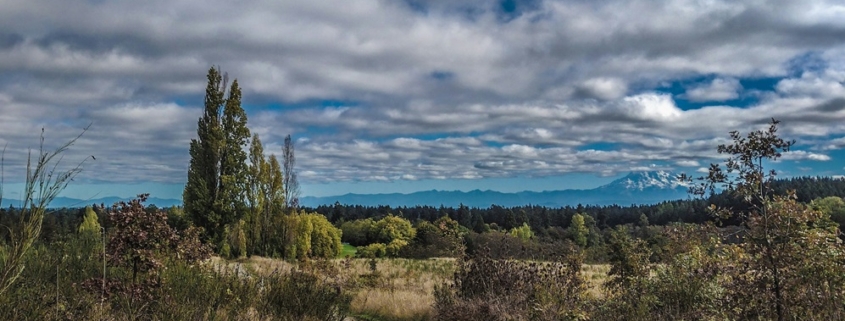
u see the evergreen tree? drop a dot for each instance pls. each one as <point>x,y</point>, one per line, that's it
<point>478,223</point>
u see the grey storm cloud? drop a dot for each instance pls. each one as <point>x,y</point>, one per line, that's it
<point>425,89</point>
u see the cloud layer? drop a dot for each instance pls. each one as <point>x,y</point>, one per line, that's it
<point>392,90</point>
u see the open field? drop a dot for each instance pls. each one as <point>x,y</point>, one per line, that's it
<point>397,289</point>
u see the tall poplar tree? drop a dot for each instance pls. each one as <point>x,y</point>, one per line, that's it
<point>255,194</point>
<point>214,193</point>
<point>201,190</point>
<point>234,172</point>
<point>290,182</point>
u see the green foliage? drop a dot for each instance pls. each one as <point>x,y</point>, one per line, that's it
<point>523,232</point>
<point>184,291</point>
<point>628,259</point>
<point>272,233</point>
<point>314,236</point>
<point>392,228</point>
<point>373,250</point>
<point>578,231</point>
<point>48,289</point>
<point>256,219</point>
<point>441,240</point>
<point>177,219</point>
<point>391,233</point>
<point>392,249</point>
<point>325,238</point>
<point>214,195</point>
<point>358,232</point>
<point>450,227</point>
<point>201,190</point>
<point>832,206</point>
<point>347,251</point>
<point>43,184</point>
<point>689,287</point>
<point>643,221</point>
<point>789,263</point>
<point>231,201</point>
<point>90,224</point>
<point>628,293</point>
<point>236,240</point>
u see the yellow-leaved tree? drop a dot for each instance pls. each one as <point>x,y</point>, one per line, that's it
<point>90,223</point>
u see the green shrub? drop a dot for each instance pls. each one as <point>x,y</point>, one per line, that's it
<point>312,235</point>
<point>372,250</point>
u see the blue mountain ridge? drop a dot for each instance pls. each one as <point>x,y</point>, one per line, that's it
<point>60,202</point>
<point>635,188</point>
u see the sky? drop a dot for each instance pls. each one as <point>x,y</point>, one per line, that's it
<point>401,96</point>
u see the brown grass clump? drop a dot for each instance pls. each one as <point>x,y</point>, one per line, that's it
<point>486,288</point>
<point>382,289</point>
<point>594,276</point>
<point>393,304</point>
<point>397,289</point>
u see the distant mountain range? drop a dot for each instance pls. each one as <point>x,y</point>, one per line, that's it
<point>60,202</point>
<point>635,188</point>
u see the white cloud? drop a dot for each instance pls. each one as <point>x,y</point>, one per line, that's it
<point>805,155</point>
<point>720,89</point>
<point>651,107</point>
<point>374,90</point>
<point>813,84</point>
<point>688,163</point>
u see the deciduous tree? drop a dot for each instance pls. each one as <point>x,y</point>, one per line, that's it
<point>791,257</point>
<point>578,231</point>
<point>90,224</point>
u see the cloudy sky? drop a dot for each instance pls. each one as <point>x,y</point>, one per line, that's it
<point>385,96</point>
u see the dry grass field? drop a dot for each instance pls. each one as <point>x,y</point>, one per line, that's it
<point>396,290</point>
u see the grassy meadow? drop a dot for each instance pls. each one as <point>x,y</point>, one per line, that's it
<point>388,289</point>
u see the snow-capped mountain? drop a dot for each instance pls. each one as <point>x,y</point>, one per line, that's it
<point>647,180</point>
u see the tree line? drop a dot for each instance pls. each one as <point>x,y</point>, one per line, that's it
<point>541,218</point>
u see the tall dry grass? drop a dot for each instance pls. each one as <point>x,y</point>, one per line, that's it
<point>399,289</point>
